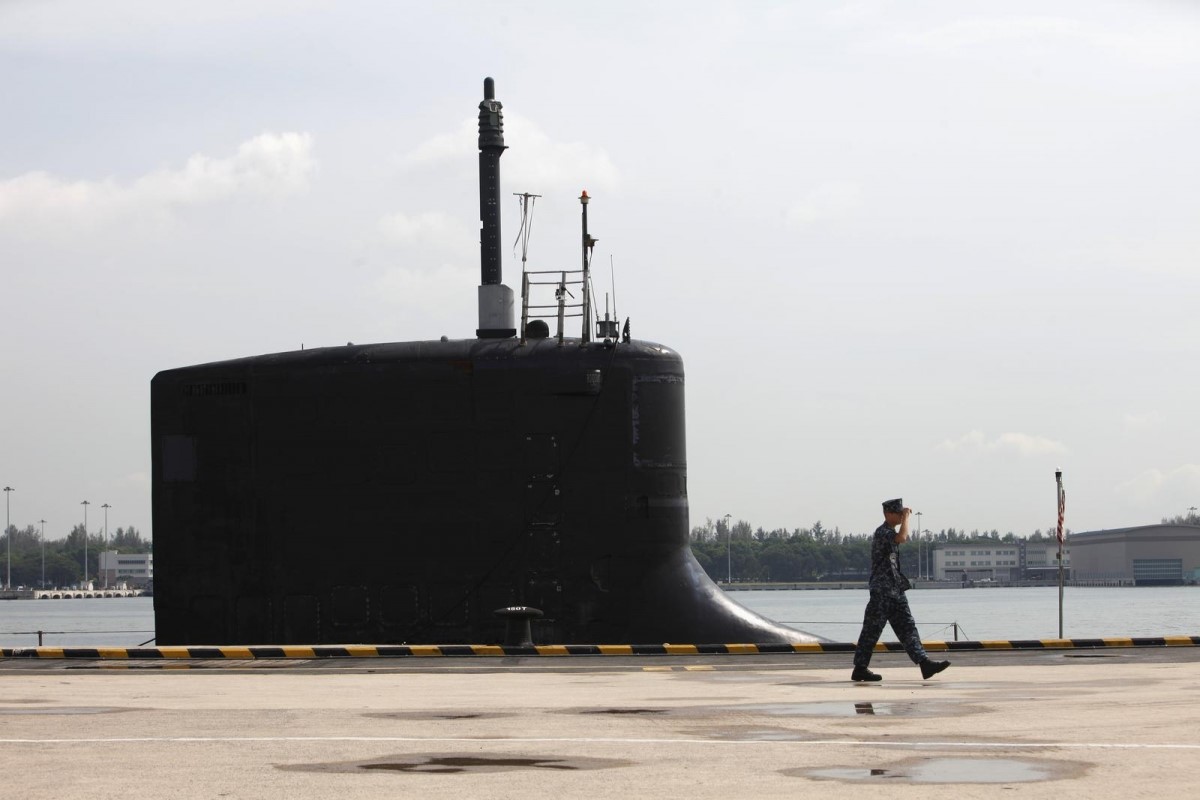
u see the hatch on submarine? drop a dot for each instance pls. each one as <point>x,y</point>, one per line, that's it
<point>404,492</point>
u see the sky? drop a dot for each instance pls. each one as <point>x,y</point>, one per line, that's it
<point>930,250</point>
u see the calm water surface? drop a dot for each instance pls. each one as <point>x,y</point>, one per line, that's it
<point>992,613</point>
<point>114,621</point>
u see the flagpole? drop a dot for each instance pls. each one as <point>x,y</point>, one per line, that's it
<point>1061,512</point>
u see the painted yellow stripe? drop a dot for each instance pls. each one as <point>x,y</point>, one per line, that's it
<point>487,650</point>
<point>112,652</point>
<point>996,645</point>
<point>742,648</point>
<point>1177,641</point>
<point>425,650</point>
<point>935,646</point>
<point>236,652</point>
<point>50,652</point>
<point>701,668</point>
<point>552,650</point>
<point>362,651</point>
<point>1117,641</point>
<point>174,652</point>
<point>616,649</point>
<point>1057,643</point>
<point>680,649</point>
<point>807,647</point>
<point>299,652</point>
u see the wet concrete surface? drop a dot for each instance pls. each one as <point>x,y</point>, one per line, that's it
<point>1041,724</point>
<point>1006,771</point>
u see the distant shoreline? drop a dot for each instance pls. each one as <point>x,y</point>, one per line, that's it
<point>922,584</point>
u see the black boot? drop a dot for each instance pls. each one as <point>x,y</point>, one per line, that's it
<point>862,674</point>
<point>931,668</point>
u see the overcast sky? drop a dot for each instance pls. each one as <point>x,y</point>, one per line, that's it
<point>923,249</point>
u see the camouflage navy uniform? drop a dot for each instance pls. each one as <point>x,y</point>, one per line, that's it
<point>888,604</point>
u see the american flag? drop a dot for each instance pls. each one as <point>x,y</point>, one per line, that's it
<point>1062,509</point>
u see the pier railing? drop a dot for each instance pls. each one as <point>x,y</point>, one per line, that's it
<point>945,626</point>
<point>42,634</point>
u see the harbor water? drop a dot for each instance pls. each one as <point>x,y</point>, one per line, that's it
<point>1029,612</point>
<point>835,614</point>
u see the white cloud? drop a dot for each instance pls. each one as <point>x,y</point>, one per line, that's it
<point>1171,489</point>
<point>829,201</point>
<point>535,161</point>
<point>431,227</point>
<point>855,14</point>
<point>270,164</point>
<point>415,288</point>
<point>141,25</point>
<point>1139,423</point>
<point>1022,444</point>
<point>1162,44</point>
<point>442,148</point>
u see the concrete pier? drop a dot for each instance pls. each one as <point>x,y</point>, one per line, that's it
<point>1116,722</point>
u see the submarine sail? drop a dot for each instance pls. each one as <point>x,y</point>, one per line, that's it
<point>404,492</point>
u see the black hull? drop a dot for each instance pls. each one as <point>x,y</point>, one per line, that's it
<point>401,493</point>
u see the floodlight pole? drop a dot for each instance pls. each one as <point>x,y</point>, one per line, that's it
<point>106,507</point>
<point>728,551</point>
<point>1062,535</point>
<point>8,538</point>
<point>85,504</point>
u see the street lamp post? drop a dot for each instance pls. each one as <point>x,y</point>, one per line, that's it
<point>728,550</point>
<point>8,538</point>
<point>106,507</point>
<point>918,545</point>
<point>85,504</point>
<point>43,553</point>
<point>929,573</point>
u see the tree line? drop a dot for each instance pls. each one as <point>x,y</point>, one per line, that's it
<point>737,551</point>
<point>64,558</point>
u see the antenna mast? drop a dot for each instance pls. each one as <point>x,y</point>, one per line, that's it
<point>588,244</point>
<point>495,299</point>
<point>527,201</point>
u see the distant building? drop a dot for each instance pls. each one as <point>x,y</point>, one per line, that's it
<point>994,560</point>
<point>1147,555</point>
<point>135,569</point>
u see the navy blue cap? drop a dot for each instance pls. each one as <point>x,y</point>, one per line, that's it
<point>893,506</point>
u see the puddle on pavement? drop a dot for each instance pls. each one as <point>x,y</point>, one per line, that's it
<point>935,708</point>
<point>471,763</point>
<point>855,709</point>
<point>61,710</point>
<point>752,734</point>
<point>1094,655</point>
<point>950,770</point>
<point>455,764</point>
<point>437,715</point>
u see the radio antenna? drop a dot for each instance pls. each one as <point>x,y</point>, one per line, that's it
<point>527,201</point>
<point>612,274</point>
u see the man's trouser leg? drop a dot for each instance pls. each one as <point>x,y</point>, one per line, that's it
<point>905,628</point>
<point>874,620</point>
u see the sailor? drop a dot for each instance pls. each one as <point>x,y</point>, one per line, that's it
<point>888,604</point>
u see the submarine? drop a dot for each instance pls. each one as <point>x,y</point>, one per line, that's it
<point>418,492</point>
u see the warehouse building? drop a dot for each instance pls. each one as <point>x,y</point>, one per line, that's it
<point>1147,555</point>
<point>989,560</point>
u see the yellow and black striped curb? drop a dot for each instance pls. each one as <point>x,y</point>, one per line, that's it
<point>461,650</point>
